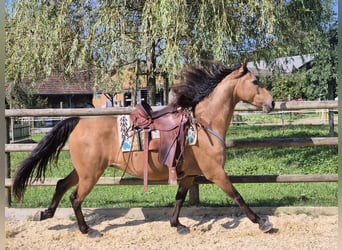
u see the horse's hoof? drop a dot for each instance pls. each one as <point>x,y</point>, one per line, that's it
<point>37,216</point>
<point>181,229</point>
<point>92,233</point>
<point>265,225</point>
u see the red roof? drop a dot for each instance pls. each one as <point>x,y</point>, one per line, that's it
<point>55,87</point>
<point>56,84</point>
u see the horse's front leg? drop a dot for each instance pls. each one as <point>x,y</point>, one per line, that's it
<point>223,181</point>
<point>264,224</point>
<point>182,191</point>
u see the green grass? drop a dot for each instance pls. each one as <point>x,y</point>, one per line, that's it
<point>258,161</point>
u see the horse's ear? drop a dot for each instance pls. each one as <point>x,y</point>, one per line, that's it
<point>245,63</point>
<point>243,68</point>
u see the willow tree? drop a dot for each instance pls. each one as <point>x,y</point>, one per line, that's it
<point>151,38</point>
<point>44,38</point>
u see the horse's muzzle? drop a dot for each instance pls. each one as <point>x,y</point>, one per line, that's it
<point>268,107</point>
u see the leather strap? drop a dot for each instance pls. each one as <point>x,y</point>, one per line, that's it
<point>212,132</point>
<point>146,143</point>
<point>158,113</point>
<point>216,134</point>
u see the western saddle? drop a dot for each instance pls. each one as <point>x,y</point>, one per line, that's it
<point>172,124</point>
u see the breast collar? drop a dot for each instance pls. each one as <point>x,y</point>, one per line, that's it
<point>194,121</point>
<point>216,134</point>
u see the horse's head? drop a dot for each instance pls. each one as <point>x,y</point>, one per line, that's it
<point>249,89</point>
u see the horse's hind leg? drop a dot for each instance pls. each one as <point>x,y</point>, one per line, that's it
<point>182,191</point>
<point>61,187</point>
<point>77,197</point>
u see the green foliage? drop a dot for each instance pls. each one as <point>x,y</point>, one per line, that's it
<point>73,37</point>
<point>285,87</point>
<point>317,81</point>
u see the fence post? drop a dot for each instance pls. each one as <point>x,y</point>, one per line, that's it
<point>194,195</point>
<point>7,165</point>
<point>331,123</point>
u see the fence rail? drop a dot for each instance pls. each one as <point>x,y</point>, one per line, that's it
<point>292,178</point>
<point>331,105</point>
<point>194,196</point>
<point>243,143</point>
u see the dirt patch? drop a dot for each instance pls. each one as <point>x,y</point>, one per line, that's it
<point>143,230</point>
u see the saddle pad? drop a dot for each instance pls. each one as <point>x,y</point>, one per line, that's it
<point>131,140</point>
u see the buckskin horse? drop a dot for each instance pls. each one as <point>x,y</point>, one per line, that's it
<point>209,92</point>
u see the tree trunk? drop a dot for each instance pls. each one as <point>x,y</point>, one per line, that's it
<point>166,89</point>
<point>151,77</point>
<point>135,88</point>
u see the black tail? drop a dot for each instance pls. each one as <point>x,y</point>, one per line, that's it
<point>46,151</point>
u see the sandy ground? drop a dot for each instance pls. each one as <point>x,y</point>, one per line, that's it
<point>150,229</point>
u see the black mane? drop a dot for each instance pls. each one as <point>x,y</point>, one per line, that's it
<point>197,82</point>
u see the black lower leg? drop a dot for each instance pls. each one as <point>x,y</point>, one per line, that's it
<point>180,197</point>
<point>76,205</point>
<point>249,213</point>
<point>61,187</point>
<point>264,224</point>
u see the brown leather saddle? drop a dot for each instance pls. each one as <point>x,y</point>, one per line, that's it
<point>172,124</point>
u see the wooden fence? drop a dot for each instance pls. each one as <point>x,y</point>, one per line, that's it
<point>194,192</point>
<point>20,132</point>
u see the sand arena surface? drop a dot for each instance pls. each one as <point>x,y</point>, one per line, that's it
<point>139,229</point>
